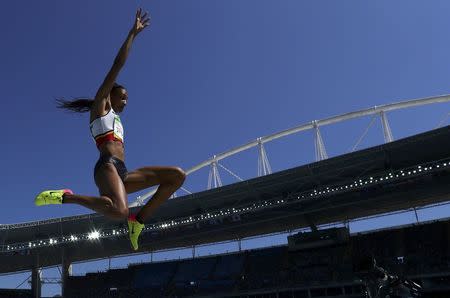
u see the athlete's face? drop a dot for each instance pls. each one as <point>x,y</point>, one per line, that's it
<point>119,99</point>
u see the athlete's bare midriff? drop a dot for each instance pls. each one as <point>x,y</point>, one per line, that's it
<point>113,148</point>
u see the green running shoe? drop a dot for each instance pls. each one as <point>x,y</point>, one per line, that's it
<point>51,197</point>
<point>134,230</point>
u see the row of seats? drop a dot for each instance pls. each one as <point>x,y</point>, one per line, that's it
<point>278,267</point>
<point>249,270</point>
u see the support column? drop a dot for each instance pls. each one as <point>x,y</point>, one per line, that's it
<point>263,162</point>
<point>321,153</point>
<point>66,271</point>
<point>386,128</point>
<point>214,176</point>
<point>36,279</point>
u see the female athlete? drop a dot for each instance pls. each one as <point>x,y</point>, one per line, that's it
<point>110,174</point>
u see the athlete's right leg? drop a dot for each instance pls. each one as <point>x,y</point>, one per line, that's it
<point>112,202</point>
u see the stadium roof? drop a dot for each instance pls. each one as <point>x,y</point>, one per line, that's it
<point>402,174</point>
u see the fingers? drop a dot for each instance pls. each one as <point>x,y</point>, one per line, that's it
<point>142,19</point>
<point>145,21</point>
<point>138,13</point>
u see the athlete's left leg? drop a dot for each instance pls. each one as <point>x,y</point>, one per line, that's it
<point>169,180</point>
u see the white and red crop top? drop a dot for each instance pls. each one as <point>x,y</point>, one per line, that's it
<point>107,128</point>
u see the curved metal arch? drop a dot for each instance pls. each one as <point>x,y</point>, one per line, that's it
<point>311,125</point>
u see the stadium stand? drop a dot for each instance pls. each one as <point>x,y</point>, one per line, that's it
<point>418,251</point>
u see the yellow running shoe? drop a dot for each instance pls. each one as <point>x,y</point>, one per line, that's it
<point>51,197</point>
<point>134,230</point>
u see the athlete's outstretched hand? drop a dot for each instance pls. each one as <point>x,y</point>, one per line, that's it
<point>141,21</point>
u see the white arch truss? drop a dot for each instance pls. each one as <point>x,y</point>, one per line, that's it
<point>315,124</point>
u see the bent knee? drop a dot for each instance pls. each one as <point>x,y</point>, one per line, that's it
<point>179,176</point>
<point>114,208</point>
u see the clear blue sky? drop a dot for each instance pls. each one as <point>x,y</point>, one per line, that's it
<point>205,77</point>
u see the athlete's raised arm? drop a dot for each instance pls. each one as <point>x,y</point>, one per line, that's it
<point>141,21</point>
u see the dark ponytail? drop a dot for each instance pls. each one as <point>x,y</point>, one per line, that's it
<point>80,105</point>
